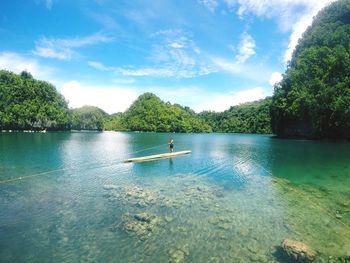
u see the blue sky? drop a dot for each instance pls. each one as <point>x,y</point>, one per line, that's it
<point>205,54</point>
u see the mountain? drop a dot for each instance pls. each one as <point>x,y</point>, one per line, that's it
<point>150,113</point>
<point>88,118</point>
<point>313,98</point>
<point>27,103</point>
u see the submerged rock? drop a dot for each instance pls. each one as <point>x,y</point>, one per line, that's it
<point>142,224</point>
<point>298,251</point>
<point>110,187</point>
<point>345,259</point>
<point>178,255</point>
<point>144,217</point>
<point>150,249</point>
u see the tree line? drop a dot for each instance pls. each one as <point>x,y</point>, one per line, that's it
<point>29,104</point>
<point>313,98</point>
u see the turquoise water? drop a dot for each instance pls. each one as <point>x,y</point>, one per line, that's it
<point>234,199</point>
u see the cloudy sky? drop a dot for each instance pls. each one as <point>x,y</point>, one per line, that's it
<point>205,54</point>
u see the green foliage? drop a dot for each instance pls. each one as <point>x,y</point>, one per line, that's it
<point>252,117</point>
<point>149,113</point>
<point>88,118</point>
<point>115,122</point>
<point>26,103</point>
<point>313,99</point>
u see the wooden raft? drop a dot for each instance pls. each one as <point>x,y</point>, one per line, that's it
<point>156,157</point>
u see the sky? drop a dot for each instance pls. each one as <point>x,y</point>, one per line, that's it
<point>205,54</point>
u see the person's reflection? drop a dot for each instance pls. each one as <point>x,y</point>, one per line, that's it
<point>171,164</point>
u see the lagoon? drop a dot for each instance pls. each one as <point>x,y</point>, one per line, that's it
<point>234,199</point>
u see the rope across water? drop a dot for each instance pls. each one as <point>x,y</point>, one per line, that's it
<point>20,178</point>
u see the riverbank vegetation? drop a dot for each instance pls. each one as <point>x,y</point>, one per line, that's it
<point>313,98</point>
<point>30,104</point>
<point>250,117</point>
<point>88,118</point>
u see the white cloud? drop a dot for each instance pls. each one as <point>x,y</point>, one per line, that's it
<point>176,45</point>
<point>209,100</point>
<point>63,49</point>
<point>118,99</point>
<point>219,102</point>
<point>226,65</point>
<point>99,66</point>
<point>246,48</point>
<point>123,81</point>
<point>174,55</point>
<point>17,63</point>
<point>254,72</point>
<point>275,78</point>
<point>165,72</point>
<point>292,15</point>
<point>49,4</point>
<point>110,99</point>
<point>143,72</point>
<point>211,5</point>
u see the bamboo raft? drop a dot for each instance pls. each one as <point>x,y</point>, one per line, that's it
<point>157,157</point>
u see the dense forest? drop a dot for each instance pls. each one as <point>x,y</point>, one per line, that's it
<point>26,103</point>
<point>29,104</point>
<point>88,118</point>
<point>150,113</point>
<point>313,98</point>
<point>251,117</point>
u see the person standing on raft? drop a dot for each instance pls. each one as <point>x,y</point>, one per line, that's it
<point>171,145</point>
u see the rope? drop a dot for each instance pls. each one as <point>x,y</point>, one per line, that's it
<point>65,169</point>
<point>313,204</point>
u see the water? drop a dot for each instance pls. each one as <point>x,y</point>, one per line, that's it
<point>234,199</point>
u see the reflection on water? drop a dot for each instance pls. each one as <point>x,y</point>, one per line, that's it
<point>234,199</point>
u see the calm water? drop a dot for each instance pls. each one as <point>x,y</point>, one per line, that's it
<point>234,199</point>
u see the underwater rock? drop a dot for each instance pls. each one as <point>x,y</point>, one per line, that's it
<point>150,249</point>
<point>258,258</point>
<point>144,217</point>
<point>344,203</point>
<point>110,187</point>
<point>177,255</point>
<point>169,219</point>
<point>221,222</point>
<point>345,259</point>
<point>298,251</point>
<point>142,224</point>
<point>338,216</point>
<point>134,195</point>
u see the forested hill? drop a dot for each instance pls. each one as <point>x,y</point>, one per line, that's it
<point>29,104</point>
<point>150,113</point>
<point>26,103</point>
<point>250,117</point>
<point>88,118</point>
<point>313,99</point>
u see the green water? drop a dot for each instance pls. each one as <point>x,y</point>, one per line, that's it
<point>234,199</point>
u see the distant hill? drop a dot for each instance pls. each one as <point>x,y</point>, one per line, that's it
<point>27,103</point>
<point>150,113</point>
<point>115,122</point>
<point>88,118</point>
<point>313,98</point>
<point>250,117</point>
